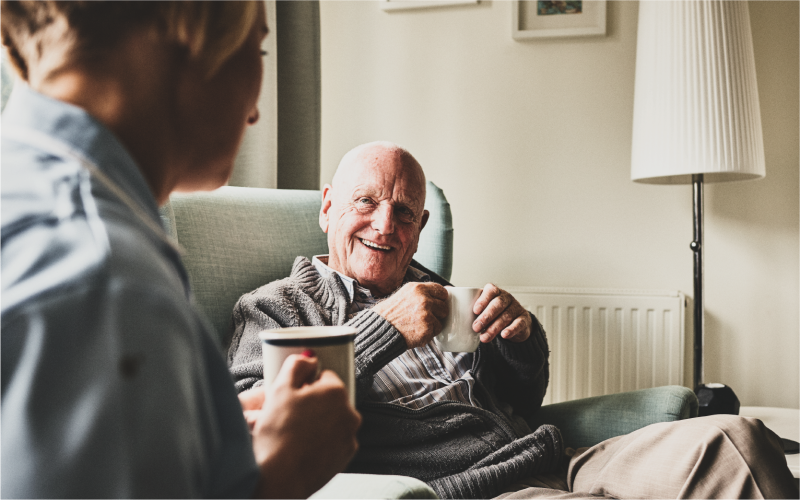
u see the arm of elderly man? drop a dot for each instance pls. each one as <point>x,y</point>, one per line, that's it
<point>520,355</point>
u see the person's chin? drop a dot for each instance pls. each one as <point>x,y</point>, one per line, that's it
<point>214,174</point>
<point>384,280</point>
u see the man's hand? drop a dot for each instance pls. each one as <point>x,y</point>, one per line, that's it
<point>416,310</point>
<point>304,430</point>
<point>500,313</point>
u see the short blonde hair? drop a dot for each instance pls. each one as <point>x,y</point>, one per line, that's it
<point>210,31</point>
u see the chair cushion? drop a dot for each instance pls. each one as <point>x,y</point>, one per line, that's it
<point>237,239</point>
<point>435,250</point>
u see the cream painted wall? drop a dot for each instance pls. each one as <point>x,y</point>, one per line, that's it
<point>531,143</point>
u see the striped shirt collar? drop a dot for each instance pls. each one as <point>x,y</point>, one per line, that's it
<point>351,284</point>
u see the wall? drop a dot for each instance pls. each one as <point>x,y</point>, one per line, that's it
<point>531,143</point>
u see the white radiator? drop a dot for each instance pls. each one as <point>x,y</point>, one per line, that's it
<point>605,341</point>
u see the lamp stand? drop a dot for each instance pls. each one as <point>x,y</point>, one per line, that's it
<point>713,398</point>
<point>697,248</point>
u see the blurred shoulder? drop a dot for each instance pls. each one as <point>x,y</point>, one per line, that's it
<point>61,231</point>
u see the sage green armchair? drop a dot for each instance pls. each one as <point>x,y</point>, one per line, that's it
<point>237,239</point>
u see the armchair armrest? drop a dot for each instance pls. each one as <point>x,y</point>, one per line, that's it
<point>374,486</point>
<point>588,421</point>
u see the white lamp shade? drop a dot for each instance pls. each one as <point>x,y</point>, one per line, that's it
<point>696,99</point>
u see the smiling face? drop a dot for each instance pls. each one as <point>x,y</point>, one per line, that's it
<point>373,215</point>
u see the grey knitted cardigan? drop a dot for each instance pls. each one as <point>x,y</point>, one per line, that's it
<point>461,451</point>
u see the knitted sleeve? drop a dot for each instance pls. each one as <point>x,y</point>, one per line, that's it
<point>377,343</point>
<point>533,454</point>
<point>265,308</point>
<point>522,370</point>
<point>302,299</point>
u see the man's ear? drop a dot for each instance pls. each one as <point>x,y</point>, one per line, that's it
<point>327,193</point>
<point>425,215</point>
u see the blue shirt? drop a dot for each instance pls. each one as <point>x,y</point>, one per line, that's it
<point>113,385</point>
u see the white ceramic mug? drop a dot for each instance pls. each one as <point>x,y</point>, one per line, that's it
<point>457,334</point>
<point>332,345</point>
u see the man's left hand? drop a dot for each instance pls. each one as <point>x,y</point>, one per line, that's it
<point>500,313</point>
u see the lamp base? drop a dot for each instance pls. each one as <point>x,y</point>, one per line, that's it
<point>716,399</point>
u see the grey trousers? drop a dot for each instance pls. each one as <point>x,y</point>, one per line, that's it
<point>721,456</point>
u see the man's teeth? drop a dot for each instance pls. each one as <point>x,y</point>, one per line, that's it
<point>375,245</point>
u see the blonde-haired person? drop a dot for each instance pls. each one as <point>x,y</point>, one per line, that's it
<point>112,384</point>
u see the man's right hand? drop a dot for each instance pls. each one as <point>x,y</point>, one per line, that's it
<point>416,311</point>
<point>304,432</point>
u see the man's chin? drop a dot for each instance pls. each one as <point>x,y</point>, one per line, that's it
<point>383,283</point>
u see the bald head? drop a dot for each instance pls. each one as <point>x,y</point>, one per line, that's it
<point>373,213</point>
<point>372,155</point>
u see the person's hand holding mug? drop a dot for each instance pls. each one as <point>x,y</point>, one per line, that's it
<point>500,313</point>
<point>416,311</point>
<point>303,429</point>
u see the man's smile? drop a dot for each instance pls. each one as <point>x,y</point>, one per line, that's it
<point>374,245</point>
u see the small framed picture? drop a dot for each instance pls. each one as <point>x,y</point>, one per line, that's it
<point>558,18</point>
<point>421,4</point>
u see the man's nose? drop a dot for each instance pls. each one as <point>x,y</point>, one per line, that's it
<point>383,221</point>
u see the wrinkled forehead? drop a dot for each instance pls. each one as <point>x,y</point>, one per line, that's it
<point>385,172</point>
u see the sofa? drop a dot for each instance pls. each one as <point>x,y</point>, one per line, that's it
<point>236,239</point>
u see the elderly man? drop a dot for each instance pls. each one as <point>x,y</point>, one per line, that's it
<point>458,420</point>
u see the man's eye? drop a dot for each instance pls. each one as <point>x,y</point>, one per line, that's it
<point>363,204</point>
<point>405,214</point>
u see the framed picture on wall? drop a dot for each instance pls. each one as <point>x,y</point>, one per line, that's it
<point>421,4</point>
<point>558,18</point>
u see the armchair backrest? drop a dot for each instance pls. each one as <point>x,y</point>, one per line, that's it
<point>237,239</point>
